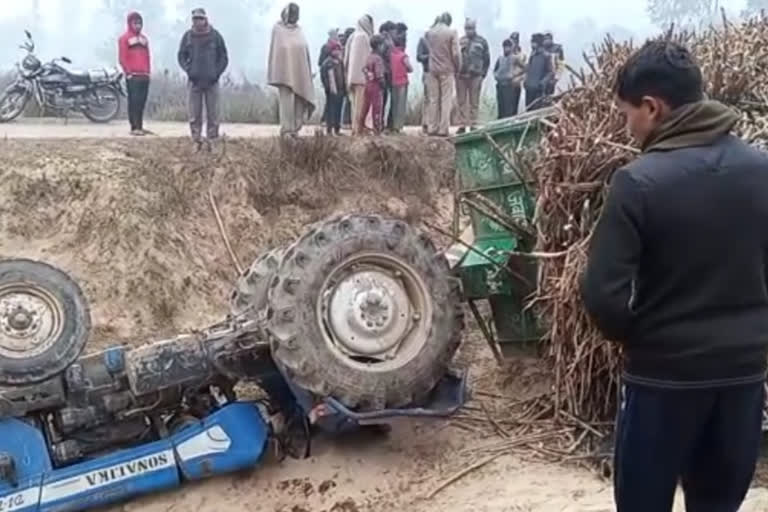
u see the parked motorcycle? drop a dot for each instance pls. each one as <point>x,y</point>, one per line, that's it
<point>54,86</point>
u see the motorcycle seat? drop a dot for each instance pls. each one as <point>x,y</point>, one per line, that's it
<point>79,76</point>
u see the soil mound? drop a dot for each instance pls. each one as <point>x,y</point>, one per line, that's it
<point>132,220</point>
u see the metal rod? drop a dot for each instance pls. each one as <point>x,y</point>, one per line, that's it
<point>486,333</point>
<point>514,275</point>
<point>470,247</point>
<point>489,188</point>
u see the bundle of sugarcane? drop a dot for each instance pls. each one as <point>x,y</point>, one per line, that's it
<point>573,166</point>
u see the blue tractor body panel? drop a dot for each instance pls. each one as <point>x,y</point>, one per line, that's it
<point>230,439</point>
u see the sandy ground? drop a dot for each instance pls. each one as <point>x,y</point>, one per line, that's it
<point>82,128</point>
<point>131,220</point>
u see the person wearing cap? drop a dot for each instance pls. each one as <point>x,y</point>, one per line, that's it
<point>203,57</point>
<point>444,65</point>
<point>290,70</point>
<point>475,62</point>
<point>539,74</point>
<point>134,57</point>
<point>509,72</point>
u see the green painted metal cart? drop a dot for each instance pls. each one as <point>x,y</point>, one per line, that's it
<point>499,197</point>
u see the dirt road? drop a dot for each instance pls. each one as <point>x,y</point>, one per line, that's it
<point>53,128</point>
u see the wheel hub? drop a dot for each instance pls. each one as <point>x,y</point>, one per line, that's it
<point>30,322</point>
<point>369,314</point>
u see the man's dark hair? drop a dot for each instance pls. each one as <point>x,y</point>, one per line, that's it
<point>401,27</point>
<point>386,27</point>
<point>447,18</point>
<point>506,43</point>
<point>662,69</point>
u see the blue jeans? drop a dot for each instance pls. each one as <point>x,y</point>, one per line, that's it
<point>706,439</point>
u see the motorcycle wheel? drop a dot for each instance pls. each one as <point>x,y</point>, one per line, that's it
<point>103,105</point>
<point>12,104</point>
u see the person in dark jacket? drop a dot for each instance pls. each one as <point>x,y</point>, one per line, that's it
<point>346,111</point>
<point>134,56</point>
<point>540,73</point>
<point>387,31</point>
<point>332,76</point>
<point>509,72</point>
<point>325,52</point>
<point>203,57</point>
<point>557,54</point>
<point>475,62</point>
<point>677,276</point>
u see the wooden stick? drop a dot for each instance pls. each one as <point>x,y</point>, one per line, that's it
<point>223,233</point>
<point>620,146</point>
<point>461,474</point>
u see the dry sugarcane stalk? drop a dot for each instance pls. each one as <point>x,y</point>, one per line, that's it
<point>572,168</point>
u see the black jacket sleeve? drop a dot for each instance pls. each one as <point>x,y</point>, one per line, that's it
<point>183,55</point>
<point>607,286</point>
<point>422,52</point>
<point>324,53</point>
<point>222,58</point>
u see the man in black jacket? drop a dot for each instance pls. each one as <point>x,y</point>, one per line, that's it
<point>203,57</point>
<point>540,73</point>
<point>677,275</point>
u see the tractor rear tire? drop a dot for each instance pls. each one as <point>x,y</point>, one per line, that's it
<point>44,322</point>
<point>337,321</point>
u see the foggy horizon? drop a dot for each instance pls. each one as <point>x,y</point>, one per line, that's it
<point>87,31</point>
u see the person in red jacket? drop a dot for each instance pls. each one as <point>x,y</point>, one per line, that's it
<point>135,60</point>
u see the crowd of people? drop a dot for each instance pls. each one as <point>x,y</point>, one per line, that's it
<point>365,74</point>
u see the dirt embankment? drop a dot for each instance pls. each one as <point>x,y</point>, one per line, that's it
<point>132,219</point>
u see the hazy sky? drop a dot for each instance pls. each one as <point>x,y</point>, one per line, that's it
<point>576,24</point>
<point>564,12</point>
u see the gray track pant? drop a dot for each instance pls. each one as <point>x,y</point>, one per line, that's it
<point>197,97</point>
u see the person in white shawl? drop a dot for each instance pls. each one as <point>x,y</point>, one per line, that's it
<point>357,50</point>
<point>290,70</point>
